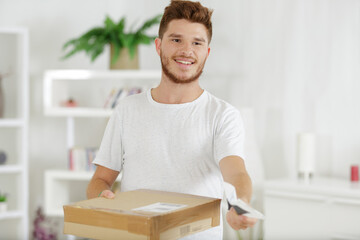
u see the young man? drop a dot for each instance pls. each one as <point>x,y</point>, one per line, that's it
<point>177,137</point>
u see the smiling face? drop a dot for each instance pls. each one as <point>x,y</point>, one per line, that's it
<point>183,50</point>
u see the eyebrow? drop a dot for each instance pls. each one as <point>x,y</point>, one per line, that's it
<point>175,35</point>
<point>200,39</point>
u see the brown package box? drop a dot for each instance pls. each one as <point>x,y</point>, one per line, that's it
<point>101,218</point>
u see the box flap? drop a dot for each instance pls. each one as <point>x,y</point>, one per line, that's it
<point>126,202</point>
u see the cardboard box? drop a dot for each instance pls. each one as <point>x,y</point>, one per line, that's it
<point>142,214</point>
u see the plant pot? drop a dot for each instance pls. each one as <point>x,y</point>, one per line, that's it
<point>3,207</point>
<point>124,61</point>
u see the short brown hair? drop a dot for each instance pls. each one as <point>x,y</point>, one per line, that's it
<point>191,11</point>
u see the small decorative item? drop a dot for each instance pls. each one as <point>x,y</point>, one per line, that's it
<point>306,154</point>
<point>354,173</point>
<point>124,46</point>
<point>3,202</point>
<point>3,158</point>
<point>70,103</point>
<point>44,229</point>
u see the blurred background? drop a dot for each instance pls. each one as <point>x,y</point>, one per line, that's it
<point>290,66</point>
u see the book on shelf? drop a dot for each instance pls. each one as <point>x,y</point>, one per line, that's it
<point>116,94</point>
<point>109,97</point>
<point>80,159</point>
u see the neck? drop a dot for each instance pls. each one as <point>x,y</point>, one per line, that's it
<point>169,92</point>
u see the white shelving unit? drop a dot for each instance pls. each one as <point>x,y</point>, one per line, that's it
<point>11,123</point>
<point>58,184</point>
<point>89,89</point>
<point>11,169</point>
<point>14,223</point>
<point>11,215</point>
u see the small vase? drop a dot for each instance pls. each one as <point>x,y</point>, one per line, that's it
<point>1,99</point>
<point>3,207</point>
<point>124,60</point>
<point>2,158</point>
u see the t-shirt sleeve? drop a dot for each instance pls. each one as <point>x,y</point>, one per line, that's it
<point>229,135</point>
<point>110,153</point>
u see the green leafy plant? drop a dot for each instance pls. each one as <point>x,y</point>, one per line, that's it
<point>94,41</point>
<point>3,197</point>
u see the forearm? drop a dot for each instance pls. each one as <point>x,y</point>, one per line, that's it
<point>102,180</point>
<point>243,186</point>
<point>95,187</point>
<point>234,172</point>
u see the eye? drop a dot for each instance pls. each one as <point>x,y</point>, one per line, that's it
<point>197,43</point>
<point>176,40</point>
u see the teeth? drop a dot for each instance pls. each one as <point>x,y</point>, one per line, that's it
<point>184,62</point>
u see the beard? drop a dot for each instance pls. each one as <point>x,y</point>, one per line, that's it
<point>176,79</point>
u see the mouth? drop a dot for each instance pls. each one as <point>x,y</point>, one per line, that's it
<point>185,61</point>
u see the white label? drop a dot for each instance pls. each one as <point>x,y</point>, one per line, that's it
<point>160,207</point>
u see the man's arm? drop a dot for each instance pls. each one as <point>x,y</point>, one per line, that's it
<point>233,171</point>
<point>101,182</point>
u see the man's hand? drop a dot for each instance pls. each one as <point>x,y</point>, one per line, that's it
<point>107,194</point>
<point>101,182</point>
<point>239,221</point>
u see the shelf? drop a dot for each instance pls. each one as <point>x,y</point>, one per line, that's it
<point>78,112</point>
<point>11,169</point>
<point>69,175</point>
<point>11,215</point>
<point>11,122</point>
<point>14,178</point>
<point>57,189</point>
<point>55,213</point>
<point>91,91</point>
<point>12,30</point>
<point>113,74</point>
<point>61,85</point>
<point>72,175</point>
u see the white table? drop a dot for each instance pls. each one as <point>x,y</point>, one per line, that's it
<point>325,208</point>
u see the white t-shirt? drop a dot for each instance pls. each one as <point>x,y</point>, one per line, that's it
<point>172,147</point>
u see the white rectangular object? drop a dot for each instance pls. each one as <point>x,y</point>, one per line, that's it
<point>232,199</point>
<point>160,207</point>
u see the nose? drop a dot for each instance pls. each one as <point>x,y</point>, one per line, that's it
<point>187,49</point>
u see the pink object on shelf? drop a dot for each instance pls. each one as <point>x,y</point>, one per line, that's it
<point>354,173</point>
<point>70,103</point>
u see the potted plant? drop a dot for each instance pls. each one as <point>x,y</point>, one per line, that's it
<point>123,45</point>
<point>3,202</point>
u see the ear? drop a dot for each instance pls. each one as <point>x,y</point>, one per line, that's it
<point>208,53</point>
<point>158,45</point>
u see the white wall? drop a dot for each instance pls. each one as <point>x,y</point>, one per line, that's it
<point>295,62</point>
<point>299,68</point>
